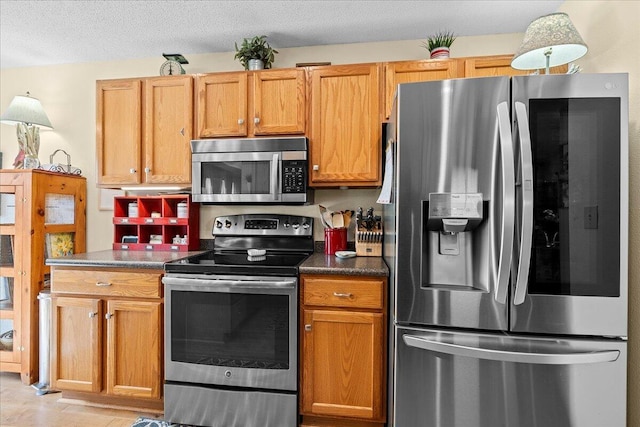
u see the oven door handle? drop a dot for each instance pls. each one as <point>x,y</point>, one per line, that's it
<point>226,284</point>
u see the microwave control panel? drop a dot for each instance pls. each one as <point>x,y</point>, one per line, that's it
<point>294,176</point>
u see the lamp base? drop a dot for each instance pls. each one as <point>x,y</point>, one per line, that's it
<point>29,144</point>
<point>31,162</point>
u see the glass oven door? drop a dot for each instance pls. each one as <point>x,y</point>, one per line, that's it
<point>237,177</point>
<point>231,330</point>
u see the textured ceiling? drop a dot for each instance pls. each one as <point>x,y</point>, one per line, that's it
<point>35,33</point>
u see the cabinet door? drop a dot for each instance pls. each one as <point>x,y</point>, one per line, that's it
<point>279,102</point>
<point>76,360</point>
<point>343,364</point>
<point>500,65</point>
<point>134,348</point>
<point>168,118</point>
<point>416,71</point>
<point>345,125</point>
<point>118,131</point>
<point>221,104</point>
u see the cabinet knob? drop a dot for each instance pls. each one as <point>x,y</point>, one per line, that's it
<point>147,170</point>
<point>240,121</point>
<point>132,170</point>
<point>256,120</point>
<point>182,131</point>
<point>93,314</point>
<point>316,167</point>
<point>108,316</point>
<point>307,328</point>
<point>102,284</point>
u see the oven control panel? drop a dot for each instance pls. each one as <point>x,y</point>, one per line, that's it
<point>263,225</point>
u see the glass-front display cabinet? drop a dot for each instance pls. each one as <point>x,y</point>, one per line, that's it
<point>42,215</point>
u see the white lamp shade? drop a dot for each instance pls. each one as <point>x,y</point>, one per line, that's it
<point>553,33</point>
<point>25,109</point>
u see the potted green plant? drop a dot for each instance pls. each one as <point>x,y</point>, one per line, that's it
<point>255,53</point>
<point>439,43</point>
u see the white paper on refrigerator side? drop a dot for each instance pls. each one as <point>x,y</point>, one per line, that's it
<point>387,182</point>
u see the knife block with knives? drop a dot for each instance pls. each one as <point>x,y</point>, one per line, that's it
<point>368,234</point>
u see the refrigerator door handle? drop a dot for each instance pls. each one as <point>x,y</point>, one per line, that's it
<point>527,204</point>
<point>431,343</point>
<point>508,200</point>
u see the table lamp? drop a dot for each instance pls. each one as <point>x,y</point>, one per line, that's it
<point>549,41</point>
<point>28,115</point>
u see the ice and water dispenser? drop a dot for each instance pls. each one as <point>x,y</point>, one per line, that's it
<point>452,240</point>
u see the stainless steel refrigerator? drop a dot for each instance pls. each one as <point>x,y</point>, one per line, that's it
<point>507,243</point>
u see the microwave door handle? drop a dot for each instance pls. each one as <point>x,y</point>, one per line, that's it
<point>508,202</point>
<point>275,175</point>
<point>527,204</point>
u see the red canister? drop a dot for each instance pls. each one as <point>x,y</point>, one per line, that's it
<point>335,239</point>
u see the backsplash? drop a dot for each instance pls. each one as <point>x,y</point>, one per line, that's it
<point>333,200</point>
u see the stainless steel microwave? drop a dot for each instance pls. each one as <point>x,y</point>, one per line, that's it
<point>250,170</point>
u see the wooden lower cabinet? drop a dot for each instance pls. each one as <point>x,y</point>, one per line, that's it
<point>106,342</point>
<point>343,341</point>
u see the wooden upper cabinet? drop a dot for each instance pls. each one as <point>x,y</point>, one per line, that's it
<point>221,105</point>
<point>168,118</point>
<point>499,65</point>
<point>257,103</point>
<point>416,71</point>
<point>345,125</point>
<point>278,104</point>
<point>143,130</point>
<point>118,131</point>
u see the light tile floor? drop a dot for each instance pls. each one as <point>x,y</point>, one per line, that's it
<point>21,407</point>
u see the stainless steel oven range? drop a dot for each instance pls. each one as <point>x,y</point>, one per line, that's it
<point>231,325</point>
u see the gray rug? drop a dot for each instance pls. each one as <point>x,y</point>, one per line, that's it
<point>149,422</point>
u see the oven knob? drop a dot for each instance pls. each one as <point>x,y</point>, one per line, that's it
<point>296,225</point>
<point>218,224</point>
<point>227,224</point>
<point>286,224</point>
<point>305,225</point>
<point>227,374</point>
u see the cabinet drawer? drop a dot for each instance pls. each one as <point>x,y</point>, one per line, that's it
<point>107,283</point>
<point>339,292</point>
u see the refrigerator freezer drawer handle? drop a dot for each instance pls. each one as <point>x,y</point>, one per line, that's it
<point>511,355</point>
<point>526,232</point>
<point>508,200</point>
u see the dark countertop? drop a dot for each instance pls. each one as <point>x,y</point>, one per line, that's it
<point>122,259</point>
<point>319,263</point>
